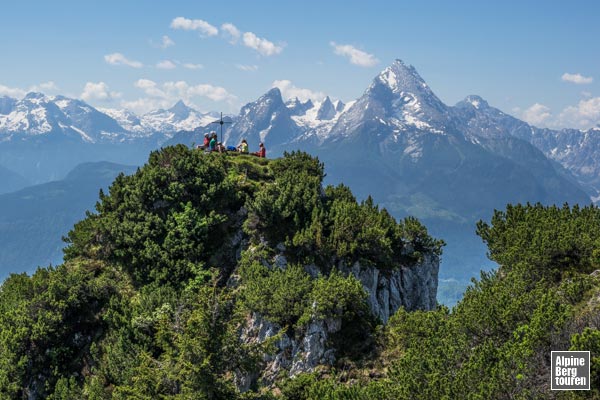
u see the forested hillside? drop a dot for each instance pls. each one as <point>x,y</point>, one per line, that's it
<point>162,286</point>
<point>223,277</point>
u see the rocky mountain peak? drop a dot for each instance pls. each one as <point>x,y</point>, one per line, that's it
<point>327,110</point>
<point>180,109</point>
<point>297,107</point>
<point>474,101</point>
<point>400,77</point>
<point>34,96</point>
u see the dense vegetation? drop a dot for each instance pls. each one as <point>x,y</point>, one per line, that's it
<point>158,283</point>
<point>496,343</point>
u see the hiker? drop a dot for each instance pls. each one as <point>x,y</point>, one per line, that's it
<point>206,143</point>
<point>243,147</point>
<point>212,145</point>
<point>262,152</point>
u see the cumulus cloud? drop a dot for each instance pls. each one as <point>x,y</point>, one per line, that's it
<point>192,66</point>
<point>290,91</point>
<point>249,68</point>
<point>356,56</point>
<point>537,114</point>
<point>166,94</point>
<point>231,32</point>
<point>12,92</point>
<point>199,25</point>
<point>45,87</point>
<point>98,91</point>
<point>578,79</point>
<point>166,64</point>
<point>144,105</point>
<point>584,115</point>
<point>49,86</point>
<point>120,59</point>
<point>263,46</point>
<point>166,42</point>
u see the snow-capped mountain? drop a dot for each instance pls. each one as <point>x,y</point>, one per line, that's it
<point>326,110</point>
<point>37,115</point>
<point>575,150</point>
<point>180,117</point>
<point>297,107</point>
<point>267,119</point>
<point>578,151</point>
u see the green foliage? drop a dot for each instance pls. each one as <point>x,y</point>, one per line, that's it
<point>170,345</point>
<point>589,340</point>
<point>286,207</point>
<point>319,225</point>
<point>50,319</point>
<point>310,386</point>
<point>338,297</point>
<point>544,242</point>
<point>280,295</point>
<point>497,341</point>
<point>161,222</point>
<point>152,297</point>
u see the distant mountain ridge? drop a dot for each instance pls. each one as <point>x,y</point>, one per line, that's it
<point>398,95</point>
<point>34,219</point>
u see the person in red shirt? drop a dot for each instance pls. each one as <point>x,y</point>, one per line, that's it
<point>204,145</point>
<point>262,152</point>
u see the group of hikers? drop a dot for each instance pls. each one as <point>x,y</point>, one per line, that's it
<point>211,144</point>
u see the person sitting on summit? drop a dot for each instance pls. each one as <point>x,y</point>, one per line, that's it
<point>212,145</point>
<point>206,143</point>
<point>262,152</point>
<point>243,147</point>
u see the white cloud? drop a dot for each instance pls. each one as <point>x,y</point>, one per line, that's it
<point>49,86</point>
<point>120,59</point>
<point>166,42</point>
<point>577,79</point>
<point>585,115</point>
<point>290,91</point>
<point>166,64</point>
<point>356,56</point>
<point>215,93</point>
<point>249,68</point>
<point>149,87</point>
<point>43,87</point>
<point>144,105</point>
<point>199,25</point>
<point>166,94</point>
<point>263,46</point>
<point>192,66</point>
<point>12,92</point>
<point>537,114</point>
<point>231,32</point>
<point>98,91</point>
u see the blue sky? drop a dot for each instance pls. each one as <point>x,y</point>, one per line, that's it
<point>538,60</point>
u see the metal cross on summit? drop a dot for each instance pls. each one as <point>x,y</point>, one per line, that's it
<point>221,122</point>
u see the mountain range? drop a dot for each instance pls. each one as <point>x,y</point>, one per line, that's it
<point>398,142</point>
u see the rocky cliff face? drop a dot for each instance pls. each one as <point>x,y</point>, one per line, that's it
<point>412,287</point>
